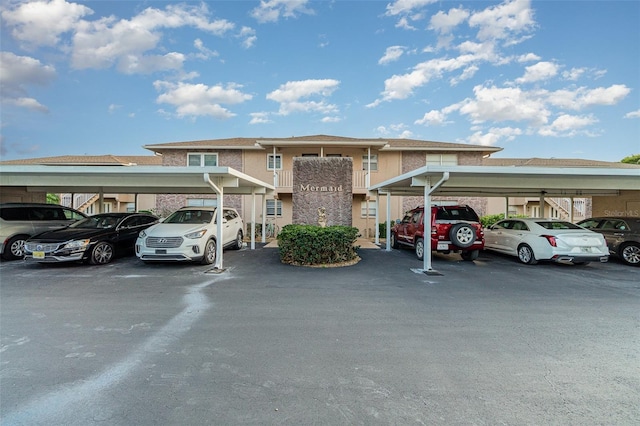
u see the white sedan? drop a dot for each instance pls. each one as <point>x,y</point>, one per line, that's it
<point>552,240</point>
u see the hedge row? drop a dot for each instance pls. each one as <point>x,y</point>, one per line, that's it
<point>315,245</point>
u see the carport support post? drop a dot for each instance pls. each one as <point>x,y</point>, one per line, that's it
<point>376,231</point>
<point>253,219</point>
<point>426,217</point>
<point>219,208</point>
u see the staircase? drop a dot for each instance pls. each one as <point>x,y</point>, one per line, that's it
<point>563,207</point>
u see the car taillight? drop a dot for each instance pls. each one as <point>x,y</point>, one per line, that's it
<point>551,239</point>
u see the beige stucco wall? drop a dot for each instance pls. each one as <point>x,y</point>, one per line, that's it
<point>625,204</point>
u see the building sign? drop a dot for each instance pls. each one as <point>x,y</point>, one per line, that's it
<point>322,183</point>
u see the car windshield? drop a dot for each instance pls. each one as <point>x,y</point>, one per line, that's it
<point>456,213</point>
<point>558,225</point>
<point>97,222</point>
<point>190,216</point>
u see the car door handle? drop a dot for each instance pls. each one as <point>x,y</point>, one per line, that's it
<point>618,234</point>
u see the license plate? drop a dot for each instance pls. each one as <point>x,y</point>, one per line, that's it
<point>38,255</point>
<point>586,249</point>
<point>442,246</point>
<point>161,251</point>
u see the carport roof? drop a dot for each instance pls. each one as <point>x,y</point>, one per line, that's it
<point>131,180</point>
<point>515,181</point>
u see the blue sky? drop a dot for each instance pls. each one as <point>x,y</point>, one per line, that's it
<point>537,78</point>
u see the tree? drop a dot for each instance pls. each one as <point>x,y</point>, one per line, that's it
<point>53,199</point>
<point>631,159</point>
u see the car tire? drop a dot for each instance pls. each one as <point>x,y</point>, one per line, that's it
<point>420,249</point>
<point>470,254</point>
<point>630,254</point>
<point>101,254</point>
<point>462,235</point>
<point>525,255</point>
<point>239,241</point>
<point>210,252</point>
<point>394,241</point>
<point>15,248</point>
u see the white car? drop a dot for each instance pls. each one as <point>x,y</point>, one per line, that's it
<point>552,240</point>
<point>189,234</point>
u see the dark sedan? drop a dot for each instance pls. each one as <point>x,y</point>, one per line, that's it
<point>96,239</point>
<point>622,234</point>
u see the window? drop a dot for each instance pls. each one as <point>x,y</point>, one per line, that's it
<point>310,155</point>
<point>333,155</point>
<point>442,159</point>
<point>374,162</point>
<point>202,160</point>
<point>274,162</point>
<point>274,208</point>
<point>202,202</point>
<point>131,207</point>
<point>372,208</point>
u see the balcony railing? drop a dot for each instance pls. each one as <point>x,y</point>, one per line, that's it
<point>283,180</point>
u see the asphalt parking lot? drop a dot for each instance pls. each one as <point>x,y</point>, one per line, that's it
<point>486,342</point>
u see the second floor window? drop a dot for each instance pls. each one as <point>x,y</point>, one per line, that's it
<point>374,162</point>
<point>274,162</point>
<point>442,159</point>
<point>202,160</point>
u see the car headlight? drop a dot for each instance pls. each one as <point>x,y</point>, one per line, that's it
<point>142,234</point>
<point>197,234</point>
<point>75,244</point>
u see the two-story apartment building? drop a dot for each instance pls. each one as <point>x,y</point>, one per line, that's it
<point>271,160</point>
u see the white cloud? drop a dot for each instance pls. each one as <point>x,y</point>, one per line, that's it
<point>17,73</point>
<point>331,119</point>
<point>113,108</point>
<point>529,57</point>
<point>505,104</point>
<point>574,73</point>
<point>205,53</point>
<point>107,41</point>
<point>41,23</point>
<point>633,114</point>
<point>567,125</point>
<point>582,97</point>
<point>433,118</point>
<point>260,118</point>
<point>193,100</point>
<point>249,37</point>
<point>405,7</point>
<point>539,71</point>
<point>444,23</point>
<point>273,10</point>
<point>503,21</point>
<point>393,53</point>
<point>494,135</point>
<point>290,94</point>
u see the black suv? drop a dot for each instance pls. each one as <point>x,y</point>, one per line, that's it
<point>20,221</point>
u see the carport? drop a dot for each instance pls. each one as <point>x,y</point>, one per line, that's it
<point>141,180</point>
<point>448,181</point>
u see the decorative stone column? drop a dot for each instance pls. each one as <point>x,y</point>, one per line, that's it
<point>322,183</point>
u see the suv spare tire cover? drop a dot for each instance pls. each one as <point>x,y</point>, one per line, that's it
<point>462,235</point>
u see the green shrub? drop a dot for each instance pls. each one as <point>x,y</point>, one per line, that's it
<point>382,229</point>
<point>493,218</point>
<point>315,245</point>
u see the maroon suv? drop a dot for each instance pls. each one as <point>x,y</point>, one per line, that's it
<point>453,229</point>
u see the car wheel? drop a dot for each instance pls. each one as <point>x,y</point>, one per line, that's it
<point>394,241</point>
<point>630,254</point>
<point>15,248</point>
<point>209,253</point>
<point>239,241</point>
<point>101,254</point>
<point>470,254</point>
<point>420,248</point>
<point>462,235</point>
<point>525,255</point>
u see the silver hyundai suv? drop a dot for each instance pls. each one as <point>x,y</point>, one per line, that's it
<point>20,221</point>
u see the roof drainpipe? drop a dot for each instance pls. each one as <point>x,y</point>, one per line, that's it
<point>428,190</point>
